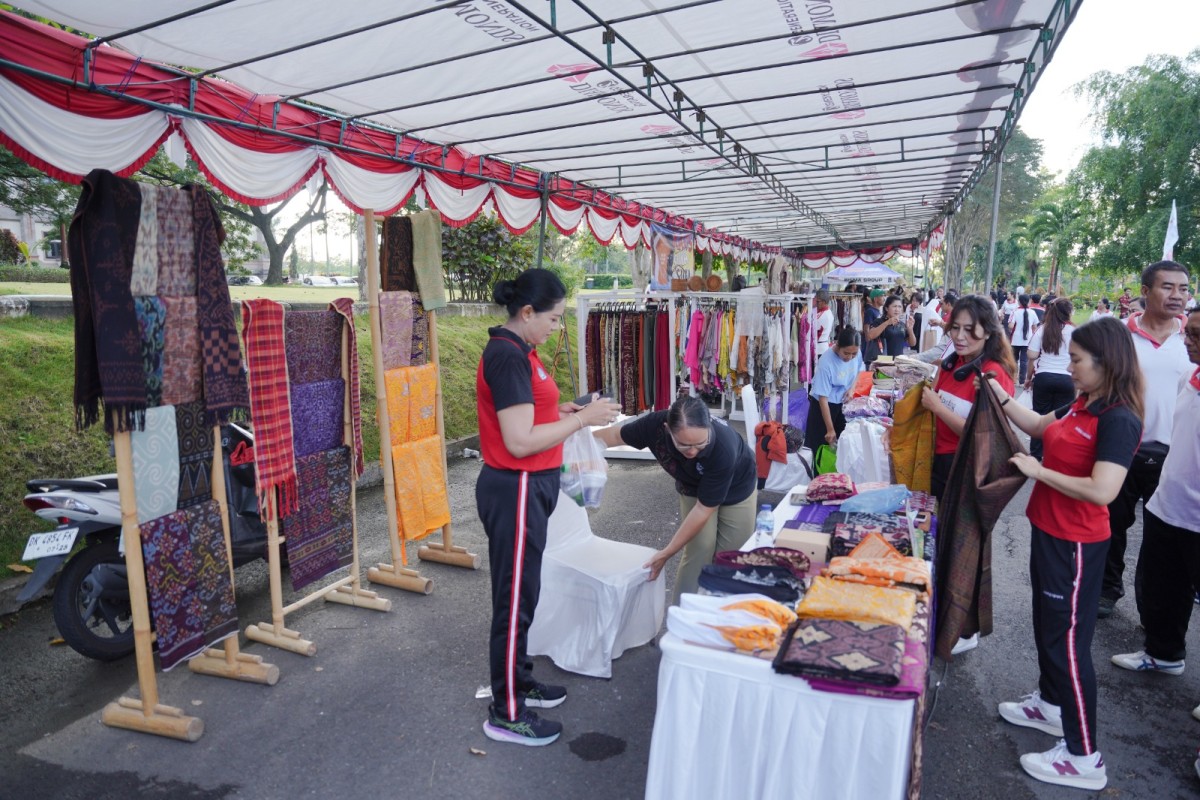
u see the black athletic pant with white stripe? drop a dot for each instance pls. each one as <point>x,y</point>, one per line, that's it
<point>1065,578</point>
<point>514,508</point>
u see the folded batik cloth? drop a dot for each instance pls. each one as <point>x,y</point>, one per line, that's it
<point>922,501</point>
<point>777,583</point>
<point>794,561</point>
<point>420,476</point>
<point>732,629</point>
<point>847,536</point>
<point>830,486</point>
<point>320,535</point>
<point>396,327</point>
<point>814,514</point>
<point>905,572</point>
<point>875,546</point>
<point>828,598</point>
<point>866,652</point>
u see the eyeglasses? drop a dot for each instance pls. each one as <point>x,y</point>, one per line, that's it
<point>681,446</point>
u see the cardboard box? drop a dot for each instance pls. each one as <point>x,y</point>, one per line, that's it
<point>814,544</point>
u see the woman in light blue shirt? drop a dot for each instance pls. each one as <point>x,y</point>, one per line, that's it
<point>837,368</point>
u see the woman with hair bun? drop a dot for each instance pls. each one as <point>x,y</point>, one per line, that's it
<point>715,476</point>
<point>522,427</point>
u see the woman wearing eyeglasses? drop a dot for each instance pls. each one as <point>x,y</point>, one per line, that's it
<point>713,468</point>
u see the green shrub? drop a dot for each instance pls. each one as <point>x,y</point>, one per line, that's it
<point>10,247</point>
<point>12,273</point>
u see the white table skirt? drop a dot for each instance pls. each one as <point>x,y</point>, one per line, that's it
<point>728,726</point>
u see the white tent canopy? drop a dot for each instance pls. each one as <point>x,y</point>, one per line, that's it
<point>764,124</point>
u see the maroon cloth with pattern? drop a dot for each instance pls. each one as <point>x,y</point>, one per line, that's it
<point>108,349</point>
<point>224,377</point>
<point>864,652</point>
<point>320,536</point>
<point>314,345</point>
<point>345,307</point>
<point>270,409</point>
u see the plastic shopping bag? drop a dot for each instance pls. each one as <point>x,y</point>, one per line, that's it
<point>584,470</point>
<point>825,459</point>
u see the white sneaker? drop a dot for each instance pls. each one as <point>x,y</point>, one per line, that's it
<point>1196,713</point>
<point>1140,662</point>
<point>1059,766</point>
<point>965,644</point>
<point>1031,711</point>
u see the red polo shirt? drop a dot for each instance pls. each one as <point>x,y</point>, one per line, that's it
<point>511,374</point>
<point>1081,436</point>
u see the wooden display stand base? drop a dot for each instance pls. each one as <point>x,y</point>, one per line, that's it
<point>242,667</point>
<point>160,720</point>
<point>444,553</point>
<point>400,578</point>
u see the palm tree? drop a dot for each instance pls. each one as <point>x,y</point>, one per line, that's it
<point>1053,223</point>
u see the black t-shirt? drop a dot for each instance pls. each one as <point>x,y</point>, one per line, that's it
<point>723,473</point>
<point>894,338</point>
<point>872,348</point>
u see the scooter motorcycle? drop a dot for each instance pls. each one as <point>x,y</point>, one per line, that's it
<point>91,599</point>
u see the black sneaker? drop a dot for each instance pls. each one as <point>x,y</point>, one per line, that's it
<point>528,729</point>
<point>541,695</point>
<point>1106,608</point>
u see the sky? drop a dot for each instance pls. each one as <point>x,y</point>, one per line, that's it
<point>1111,35</point>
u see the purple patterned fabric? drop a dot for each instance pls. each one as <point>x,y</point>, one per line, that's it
<point>181,352</point>
<point>814,513</point>
<point>320,535</point>
<point>396,325</point>
<point>187,578</point>
<point>849,529</point>
<point>864,652</point>
<point>313,341</point>
<point>318,413</point>
<point>914,668</point>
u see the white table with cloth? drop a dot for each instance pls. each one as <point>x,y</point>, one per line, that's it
<point>727,726</point>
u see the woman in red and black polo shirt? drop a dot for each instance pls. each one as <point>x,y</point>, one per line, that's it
<point>978,340</point>
<point>1089,446</point>
<point>521,430</point>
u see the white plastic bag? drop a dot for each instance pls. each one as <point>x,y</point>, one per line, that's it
<point>1026,399</point>
<point>584,470</point>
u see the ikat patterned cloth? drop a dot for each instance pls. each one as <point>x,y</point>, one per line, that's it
<point>318,414</point>
<point>144,280</point>
<point>152,317</point>
<point>396,255</point>
<point>847,535</point>
<point>320,536</point>
<point>865,652</point>
<point>156,464</point>
<point>175,243</point>
<point>396,325</point>
<point>188,582</point>
<point>345,307</point>
<point>313,341</point>
<point>181,352</point>
<point>195,454</point>
<point>419,471</point>
<point>828,598</point>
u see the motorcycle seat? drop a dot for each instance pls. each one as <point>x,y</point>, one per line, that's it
<point>100,483</point>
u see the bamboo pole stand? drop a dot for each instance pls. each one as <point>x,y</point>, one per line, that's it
<point>348,590</point>
<point>395,574</point>
<point>445,551</point>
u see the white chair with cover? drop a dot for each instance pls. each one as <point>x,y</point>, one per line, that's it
<point>595,601</point>
<point>780,477</point>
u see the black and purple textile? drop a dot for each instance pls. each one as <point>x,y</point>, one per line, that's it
<point>318,414</point>
<point>863,652</point>
<point>320,535</point>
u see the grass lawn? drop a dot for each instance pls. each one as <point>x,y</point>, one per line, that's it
<point>37,425</point>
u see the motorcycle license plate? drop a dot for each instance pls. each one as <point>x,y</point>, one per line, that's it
<point>51,543</point>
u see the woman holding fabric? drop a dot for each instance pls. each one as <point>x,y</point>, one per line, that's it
<point>1089,447</point>
<point>521,430</point>
<point>832,382</point>
<point>1049,363</point>
<point>714,474</point>
<point>978,341</point>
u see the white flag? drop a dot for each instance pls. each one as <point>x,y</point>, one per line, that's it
<point>1172,236</point>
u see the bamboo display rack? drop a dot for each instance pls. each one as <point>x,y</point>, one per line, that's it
<point>347,590</point>
<point>397,573</point>
<point>147,714</point>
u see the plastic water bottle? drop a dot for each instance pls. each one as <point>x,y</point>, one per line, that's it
<point>764,527</point>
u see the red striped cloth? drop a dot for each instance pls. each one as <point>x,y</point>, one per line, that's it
<point>270,406</point>
<point>345,307</point>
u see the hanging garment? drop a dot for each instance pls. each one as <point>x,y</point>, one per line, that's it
<point>412,403</point>
<point>980,485</point>
<point>627,363</point>
<point>691,358</point>
<point>144,278</point>
<point>151,316</point>
<point>320,536</point>
<point>156,464</point>
<point>396,255</point>
<point>344,306</point>
<point>313,343</point>
<point>592,349</point>
<point>176,241</point>
<point>770,445</point>
<point>427,259</point>
<point>663,394</point>
<point>225,392</point>
<point>318,416</point>
<point>108,357</point>
<point>420,477</point>
<point>912,440</point>
<point>270,407</point>
<point>195,454</point>
<point>420,334</point>
<point>188,582</point>
<point>396,327</point>
<point>181,352</point>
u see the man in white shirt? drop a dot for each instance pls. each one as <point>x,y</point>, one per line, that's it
<point>824,327</point>
<point>1170,556</point>
<point>1158,339</point>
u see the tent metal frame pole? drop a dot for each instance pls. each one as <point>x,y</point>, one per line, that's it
<point>542,214</point>
<point>987,286</point>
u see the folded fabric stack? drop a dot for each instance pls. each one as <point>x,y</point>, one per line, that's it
<point>793,561</point>
<point>776,582</point>
<point>746,623</point>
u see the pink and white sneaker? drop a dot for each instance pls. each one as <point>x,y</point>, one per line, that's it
<point>1059,766</point>
<point>1031,711</point>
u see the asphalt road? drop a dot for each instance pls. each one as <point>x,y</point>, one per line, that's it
<point>387,707</point>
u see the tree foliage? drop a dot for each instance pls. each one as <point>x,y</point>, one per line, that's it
<point>480,253</point>
<point>1147,118</point>
<point>27,190</point>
